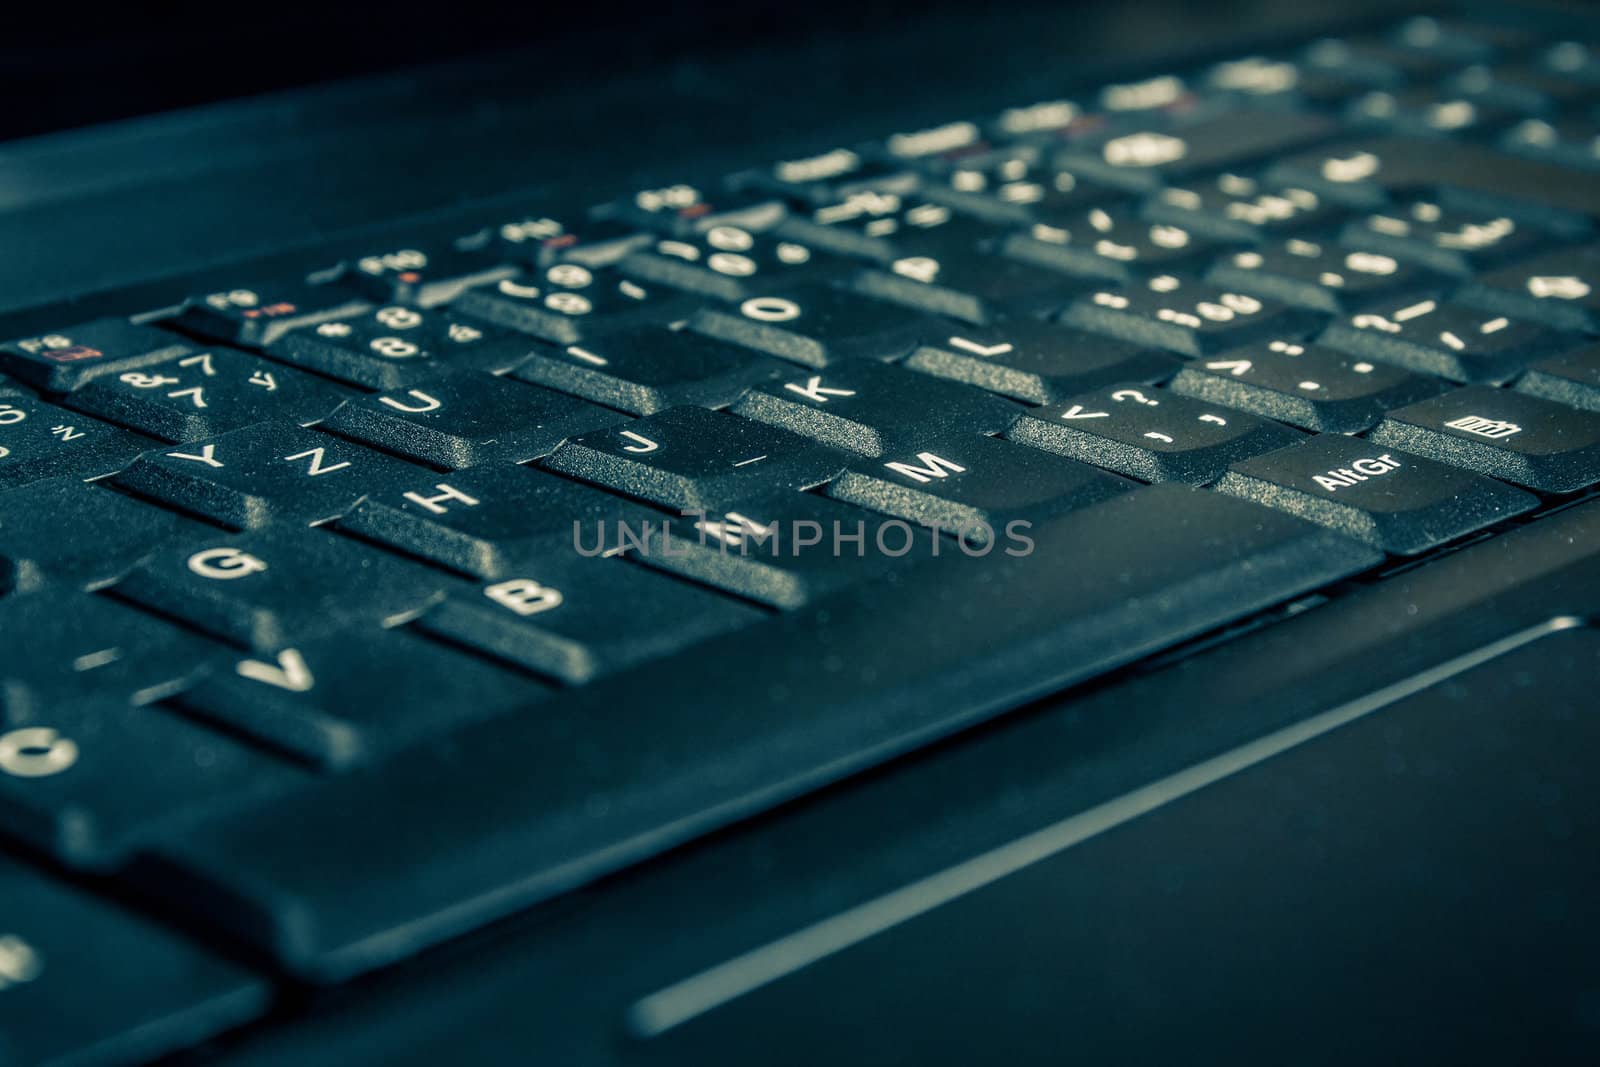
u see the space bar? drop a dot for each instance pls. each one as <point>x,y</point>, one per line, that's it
<point>365,869</point>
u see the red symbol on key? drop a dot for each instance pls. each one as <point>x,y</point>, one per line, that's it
<point>72,354</point>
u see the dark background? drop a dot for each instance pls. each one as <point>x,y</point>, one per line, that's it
<point>65,64</point>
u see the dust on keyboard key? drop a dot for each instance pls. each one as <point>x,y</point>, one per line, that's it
<point>63,360</point>
<point>465,418</point>
<point>1150,434</point>
<point>1572,379</point>
<point>872,408</point>
<point>578,620</point>
<point>394,345</point>
<point>489,521</point>
<point>256,314</point>
<point>817,326</point>
<point>649,369</point>
<point>567,303</point>
<point>269,472</point>
<point>1402,503</point>
<point>1037,361</point>
<point>39,440</point>
<point>348,698</point>
<point>1189,317</point>
<point>1304,384</point>
<point>270,589</point>
<point>207,393</point>
<point>691,457</point>
<point>1434,336</point>
<point>974,486</point>
<point>1511,436</point>
<point>86,778</point>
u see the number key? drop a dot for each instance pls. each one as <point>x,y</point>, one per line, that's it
<point>395,345</point>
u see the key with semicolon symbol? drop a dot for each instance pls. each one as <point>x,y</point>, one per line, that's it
<point>64,360</point>
<point>269,472</point>
<point>489,521</point>
<point>1402,503</point>
<point>872,408</point>
<point>87,778</point>
<point>1433,336</point>
<point>206,393</point>
<point>691,457</point>
<point>1512,436</point>
<point>39,440</point>
<point>134,990</point>
<point>578,620</point>
<point>345,699</point>
<point>270,589</point>
<point>1304,384</point>
<point>646,370</point>
<point>974,486</point>
<point>1150,434</point>
<point>1188,317</point>
<point>464,418</point>
<point>1038,361</point>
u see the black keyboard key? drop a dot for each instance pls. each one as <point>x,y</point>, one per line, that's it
<point>1232,207</point>
<point>650,369</point>
<point>92,643</point>
<point>425,277</point>
<point>1560,288</point>
<point>205,394</point>
<point>1511,436</point>
<point>788,550</point>
<point>1114,245</point>
<point>568,302</point>
<point>539,241</point>
<point>973,287</point>
<point>816,326</point>
<point>63,530</point>
<point>490,521</point>
<point>1189,317</point>
<point>576,622</point>
<point>1144,159</point>
<point>255,315</point>
<point>1117,587</point>
<point>270,472</point>
<point>87,778</point>
<point>727,262</point>
<point>1304,384</point>
<point>39,440</point>
<point>462,419</point>
<point>1562,140</point>
<point>395,345</point>
<point>84,981</point>
<point>1399,502</point>
<point>1369,171</point>
<point>826,176</point>
<point>1020,186</point>
<point>271,589</point>
<point>60,362</point>
<point>1428,111</point>
<point>1437,337</point>
<point>1444,239</point>
<point>1319,274</point>
<point>1572,379</point>
<point>349,698</point>
<point>1150,434</point>
<point>873,409</point>
<point>691,457</point>
<point>974,486</point>
<point>1036,361</point>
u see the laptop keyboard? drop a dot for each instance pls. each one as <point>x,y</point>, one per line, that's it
<point>498,541</point>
